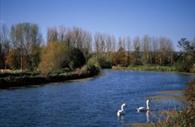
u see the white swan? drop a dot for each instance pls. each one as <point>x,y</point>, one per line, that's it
<point>121,111</point>
<point>143,109</point>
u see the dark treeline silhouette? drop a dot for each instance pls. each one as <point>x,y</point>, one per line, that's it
<point>22,47</point>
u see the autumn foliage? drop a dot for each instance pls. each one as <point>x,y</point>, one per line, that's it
<point>52,57</point>
<point>22,47</point>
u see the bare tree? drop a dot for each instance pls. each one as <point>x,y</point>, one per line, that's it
<point>24,36</point>
<point>100,42</point>
<point>146,48</point>
<point>79,38</point>
<point>52,35</point>
<point>137,53</point>
<point>122,42</point>
<point>113,43</point>
<point>129,48</point>
<point>4,44</point>
<point>166,51</point>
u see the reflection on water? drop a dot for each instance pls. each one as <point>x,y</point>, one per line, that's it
<point>92,102</point>
<point>121,120</point>
<point>147,116</point>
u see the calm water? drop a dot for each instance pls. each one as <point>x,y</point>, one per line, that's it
<point>88,103</point>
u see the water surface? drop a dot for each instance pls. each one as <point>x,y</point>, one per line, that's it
<point>89,103</point>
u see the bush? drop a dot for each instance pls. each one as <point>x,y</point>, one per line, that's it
<point>52,57</point>
<point>92,66</point>
<point>185,118</point>
<point>102,61</point>
<point>184,65</point>
<point>93,61</point>
<point>77,58</point>
<point>12,59</point>
<point>187,56</point>
<point>92,69</point>
<point>120,58</point>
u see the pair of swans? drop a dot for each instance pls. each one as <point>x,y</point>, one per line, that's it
<point>120,112</point>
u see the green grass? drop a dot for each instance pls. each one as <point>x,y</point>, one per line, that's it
<point>140,125</point>
<point>20,78</point>
<point>146,68</point>
<point>17,73</point>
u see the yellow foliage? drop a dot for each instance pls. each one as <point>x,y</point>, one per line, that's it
<point>52,57</point>
<point>11,59</point>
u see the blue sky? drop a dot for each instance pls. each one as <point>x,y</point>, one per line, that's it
<point>170,18</point>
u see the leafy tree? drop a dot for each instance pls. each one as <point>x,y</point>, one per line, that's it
<point>52,57</point>
<point>93,61</point>
<point>120,57</point>
<point>187,55</point>
<point>104,61</point>
<point>12,59</point>
<point>77,58</point>
<point>35,56</point>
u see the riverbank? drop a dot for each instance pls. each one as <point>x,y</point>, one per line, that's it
<point>174,118</point>
<point>185,118</point>
<point>147,68</point>
<point>18,79</point>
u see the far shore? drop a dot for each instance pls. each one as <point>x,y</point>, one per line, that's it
<point>19,78</point>
<point>154,68</point>
<point>8,80</point>
<point>147,68</point>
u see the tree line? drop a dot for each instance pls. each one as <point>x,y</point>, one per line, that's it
<point>22,47</point>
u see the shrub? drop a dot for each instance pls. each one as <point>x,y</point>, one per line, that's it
<point>52,57</point>
<point>102,61</point>
<point>12,59</point>
<point>185,118</point>
<point>92,69</point>
<point>184,65</point>
<point>77,58</point>
<point>93,61</point>
<point>120,57</point>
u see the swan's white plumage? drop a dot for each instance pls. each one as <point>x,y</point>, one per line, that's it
<point>121,111</point>
<point>143,109</point>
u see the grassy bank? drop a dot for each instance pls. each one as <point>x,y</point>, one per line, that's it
<point>146,68</point>
<point>174,118</point>
<point>185,118</point>
<point>16,79</point>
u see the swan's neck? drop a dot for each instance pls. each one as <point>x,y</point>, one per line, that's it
<point>122,107</point>
<point>147,105</point>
